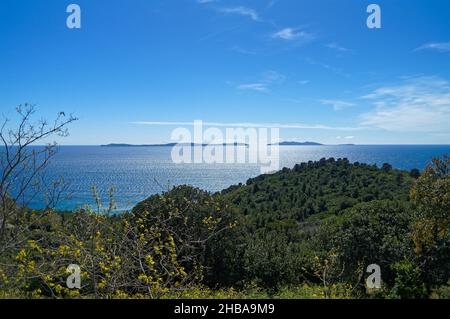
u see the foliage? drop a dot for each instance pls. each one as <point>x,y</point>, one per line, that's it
<point>23,166</point>
<point>408,282</point>
<point>309,232</point>
<point>316,187</point>
<point>442,292</point>
<point>431,229</point>
<point>203,226</point>
<point>280,215</point>
<point>369,233</point>
<point>271,260</point>
<point>132,255</point>
<point>303,291</point>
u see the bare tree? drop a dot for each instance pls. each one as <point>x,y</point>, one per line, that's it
<point>23,162</point>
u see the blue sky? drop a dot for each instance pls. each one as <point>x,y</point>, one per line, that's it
<point>312,68</point>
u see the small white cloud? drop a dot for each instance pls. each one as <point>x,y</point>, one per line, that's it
<point>258,87</point>
<point>351,137</point>
<point>291,34</point>
<point>303,82</point>
<point>273,77</point>
<point>337,104</point>
<point>267,79</point>
<point>337,47</point>
<point>243,11</point>
<point>205,1</point>
<point>437,46</point>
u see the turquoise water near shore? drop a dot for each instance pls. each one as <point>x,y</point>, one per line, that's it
<point>138,172</point>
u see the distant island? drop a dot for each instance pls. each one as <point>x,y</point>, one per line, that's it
<point>171,145</point>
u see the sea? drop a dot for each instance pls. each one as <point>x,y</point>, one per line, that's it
<point>136,173</point>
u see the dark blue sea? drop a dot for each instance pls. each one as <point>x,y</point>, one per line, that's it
<point>138,172</point>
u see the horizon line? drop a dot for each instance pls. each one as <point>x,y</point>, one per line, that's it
<point>320,144</point>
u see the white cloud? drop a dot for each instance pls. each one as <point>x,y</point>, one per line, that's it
<point>420,104</point>
<point>337,104</point>
<point>258,87</point>
<point>437,46</point>
<point>205,1</point>
<point>243,11</point>
<point>291,34</point>
<point>267,79</point>
<point>337,47</point>
<point>271,77</point>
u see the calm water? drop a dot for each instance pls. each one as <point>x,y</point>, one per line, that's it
<point>134,170</point>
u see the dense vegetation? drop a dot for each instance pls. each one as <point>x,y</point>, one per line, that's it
<point>306,232</point>
<point>281,212</point>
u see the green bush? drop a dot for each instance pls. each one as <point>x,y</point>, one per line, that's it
<point>408,283</point>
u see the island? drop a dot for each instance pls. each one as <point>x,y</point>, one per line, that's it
<point>171,145</point>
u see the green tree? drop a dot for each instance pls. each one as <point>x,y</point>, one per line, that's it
<point>408,281</point>
<point>431,230</point>
<point>371,233</point>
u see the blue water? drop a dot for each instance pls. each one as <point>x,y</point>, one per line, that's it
<point>138,172</point>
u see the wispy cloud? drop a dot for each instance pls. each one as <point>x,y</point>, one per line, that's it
<point>436,46</point>
<point>252,125</point>
<point>337,47</point>
<point>258,87</point>
<point>243,11</point>
<point>206,1</point>
<point>290,34</point>
<point>267,79</point>
<point>337,104</point>
<point>420,104</point>
<point>271,77</point>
